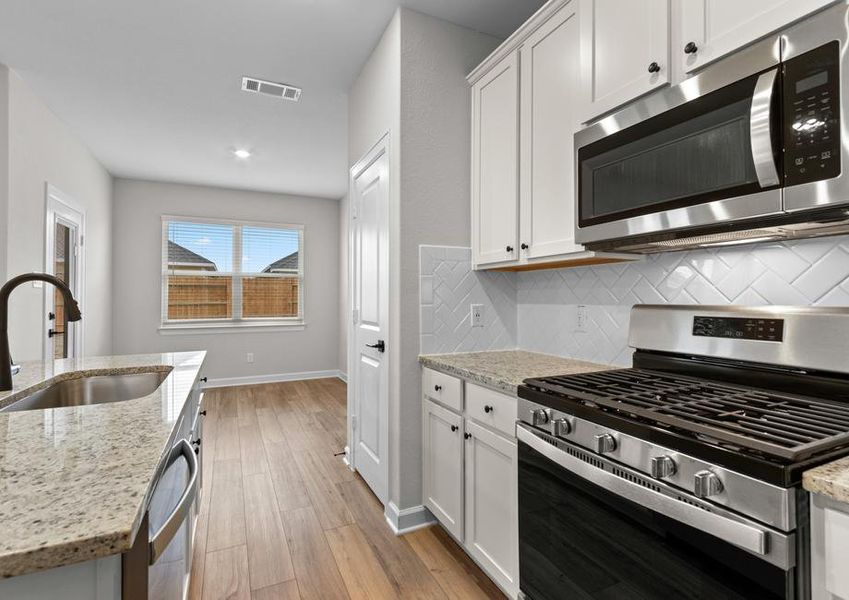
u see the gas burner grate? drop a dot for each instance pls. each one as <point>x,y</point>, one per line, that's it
<point>779,425</point>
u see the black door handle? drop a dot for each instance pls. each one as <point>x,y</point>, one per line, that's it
<point>380,345</point>
<point>51,316</point>
<point>52,332</point>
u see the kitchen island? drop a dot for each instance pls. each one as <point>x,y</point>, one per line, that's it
<point>75,482</point>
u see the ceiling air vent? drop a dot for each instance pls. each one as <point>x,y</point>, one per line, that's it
<point>270,88</point>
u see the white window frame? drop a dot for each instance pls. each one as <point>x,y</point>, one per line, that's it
<point>237,322</point>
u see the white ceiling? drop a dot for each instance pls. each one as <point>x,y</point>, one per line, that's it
<point>152,86</point>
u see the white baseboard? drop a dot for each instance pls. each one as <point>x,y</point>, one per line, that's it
<point>273,378</point>
<point>408,519</point>
<point>343,376</point>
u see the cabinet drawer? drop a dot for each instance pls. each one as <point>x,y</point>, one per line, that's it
<point>491,408</point>
<point>445,389</point>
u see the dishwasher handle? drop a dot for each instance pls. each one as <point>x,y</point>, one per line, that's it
<point>159,541</point>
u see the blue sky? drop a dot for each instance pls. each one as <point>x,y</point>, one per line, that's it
<point>261,246</point>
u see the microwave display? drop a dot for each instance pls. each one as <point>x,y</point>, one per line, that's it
<point>812,115</point>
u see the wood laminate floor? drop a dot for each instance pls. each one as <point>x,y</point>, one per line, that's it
<point>283,518</point>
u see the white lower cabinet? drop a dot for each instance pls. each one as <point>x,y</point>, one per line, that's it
<point>443,466</point>
<point>492,504</point>
<point>470,479</point>
<point>829,549</point>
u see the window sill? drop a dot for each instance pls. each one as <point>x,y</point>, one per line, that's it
<point>202,328</point>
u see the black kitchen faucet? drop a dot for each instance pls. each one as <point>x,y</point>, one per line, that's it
<point>71,308</point>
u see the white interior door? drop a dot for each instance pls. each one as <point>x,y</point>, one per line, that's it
<point>370,287</point>
<point>64,258</point>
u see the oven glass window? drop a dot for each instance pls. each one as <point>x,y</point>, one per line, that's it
<point>577,540</point>
<point>696,153</point>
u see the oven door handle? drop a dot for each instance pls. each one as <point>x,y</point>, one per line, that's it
<point>160,540</point>
<point>760,129</point>
<point>740,534</point>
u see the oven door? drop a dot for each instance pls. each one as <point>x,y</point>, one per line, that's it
<point>590,528</point>
<point>702,154</point>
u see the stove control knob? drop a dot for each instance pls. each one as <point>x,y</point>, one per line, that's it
<point>662,466</point>
<point>604,443</point>
<point>561,427</point>
<point>707,483</point>
<point>539,416</point>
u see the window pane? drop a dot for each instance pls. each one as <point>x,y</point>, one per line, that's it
<point>270,297</point>
<point>198,297</point>
<point>270,250</point>
<point>200,247</point>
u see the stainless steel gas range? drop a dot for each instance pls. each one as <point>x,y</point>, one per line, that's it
<point>681,476</point>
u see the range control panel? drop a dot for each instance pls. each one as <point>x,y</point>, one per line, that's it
<point>767,330</point>
<point>812,115</point>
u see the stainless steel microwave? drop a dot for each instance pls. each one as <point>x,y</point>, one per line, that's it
<point>751,148</point>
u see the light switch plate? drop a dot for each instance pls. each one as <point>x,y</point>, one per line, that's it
<point>477,315</point>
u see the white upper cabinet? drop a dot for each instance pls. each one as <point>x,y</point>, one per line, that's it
<point>495,155</point>
<point>550,75</point>
<point>711,29</point>
<point>624,52</point>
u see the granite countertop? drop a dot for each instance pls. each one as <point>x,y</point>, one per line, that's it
<point>830,480</point>
<point>74,481</point>
<point>506,369</point>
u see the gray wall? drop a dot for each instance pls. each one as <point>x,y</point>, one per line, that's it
<point>139,206</point>
<point>435,191</point>
<point>4,167</point>
<point>43,150</point>
<point>414,87</point>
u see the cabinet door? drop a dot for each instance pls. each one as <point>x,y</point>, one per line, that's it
<point>495,163</point>
<point>443,466</point>
<point>492,520</point>
<point>550,72</point>
<point>620,44</point>
<point>717,27</point>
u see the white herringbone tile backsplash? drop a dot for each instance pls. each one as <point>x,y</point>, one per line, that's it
<point>448,288</point>
<point>802,272</point>
<point>545,303</point>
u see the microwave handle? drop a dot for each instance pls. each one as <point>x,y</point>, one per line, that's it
<point>761,130</point>
<point>160,540</point>
<point>738,533</point>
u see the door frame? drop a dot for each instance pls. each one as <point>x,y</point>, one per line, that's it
<point>59,205</point>
<point>374,153</point>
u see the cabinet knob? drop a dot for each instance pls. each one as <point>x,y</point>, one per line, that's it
<point>467,435</point>
<point>437,388</point>
<point>203,413</point>
<point>454,428</point>
<point>488,409</point>
<point>691,48</point>
<point>204,379</point>
<point>524,246</point>
<point>509,248</point>
<point>654,68</point>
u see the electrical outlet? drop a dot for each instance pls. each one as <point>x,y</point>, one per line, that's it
<point>249,357</point>
<point>583,319</point>
<point>477,315</point>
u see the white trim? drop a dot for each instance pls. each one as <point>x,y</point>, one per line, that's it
<point>405,520</point>
<point>270,224</point>
<point>343,376</point>
<point>57,204</point>
<point>273,378</point>
<point>189,328</point>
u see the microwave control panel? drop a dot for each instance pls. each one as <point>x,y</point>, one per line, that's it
<point>812,115</point>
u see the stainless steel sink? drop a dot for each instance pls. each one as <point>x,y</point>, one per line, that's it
<point>98,389</point>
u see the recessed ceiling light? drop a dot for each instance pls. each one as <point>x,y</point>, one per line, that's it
<point>242,153</point>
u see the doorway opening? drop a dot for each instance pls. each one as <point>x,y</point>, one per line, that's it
<point>65,259</point>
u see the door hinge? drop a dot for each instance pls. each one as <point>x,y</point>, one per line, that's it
<point>355,316</point>
<point>355,211</point>
<point>354,422</point>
